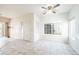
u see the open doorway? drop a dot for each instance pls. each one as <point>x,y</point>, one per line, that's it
<point>4,27</point>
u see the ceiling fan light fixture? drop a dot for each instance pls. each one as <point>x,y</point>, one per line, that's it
<point>50,8</point>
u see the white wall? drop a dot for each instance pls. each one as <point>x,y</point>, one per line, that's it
<point>36,27</point>
<point>22,27</point>
<point>53,19</point>
<point>74,28</point>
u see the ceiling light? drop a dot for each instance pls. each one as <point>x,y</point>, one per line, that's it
<point>50,9</point>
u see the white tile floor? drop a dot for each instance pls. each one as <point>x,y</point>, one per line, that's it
<point>41,47</point>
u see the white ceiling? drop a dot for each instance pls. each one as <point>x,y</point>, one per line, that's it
<point>14,10</point>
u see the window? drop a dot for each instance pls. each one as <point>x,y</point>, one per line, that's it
<point>51,29</point>
<point>47,28</point>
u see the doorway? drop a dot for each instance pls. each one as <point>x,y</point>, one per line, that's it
<point>4,29</point>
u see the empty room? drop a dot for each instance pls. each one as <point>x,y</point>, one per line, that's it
<point>39,29</point>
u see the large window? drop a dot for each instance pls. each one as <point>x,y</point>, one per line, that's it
<point>52,29</point>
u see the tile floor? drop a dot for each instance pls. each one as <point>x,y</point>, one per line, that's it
<point>41,47</point>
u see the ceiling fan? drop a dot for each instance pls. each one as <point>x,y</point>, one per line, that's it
<point>50,8</point>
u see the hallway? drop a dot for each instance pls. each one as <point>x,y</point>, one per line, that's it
<point>41,47</point>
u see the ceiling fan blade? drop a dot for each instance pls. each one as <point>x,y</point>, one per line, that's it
<point>56,5</point>
<point>54,12</point>
<point>43,7</point>
<point>44,12</point>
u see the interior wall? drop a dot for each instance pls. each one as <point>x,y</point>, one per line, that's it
<point>22,27</point>
<point>1,29</point>
<point>36,27</point>
<point>74,28</point>
<point>53,19</point>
